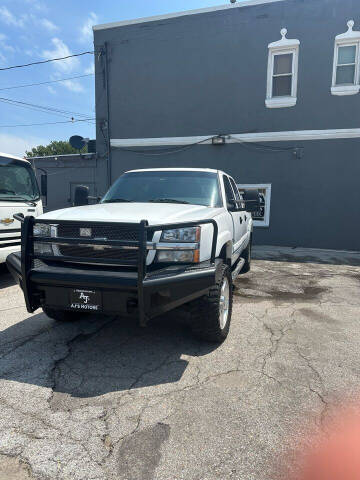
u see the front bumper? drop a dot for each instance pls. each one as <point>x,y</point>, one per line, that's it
<point>119,287</point>
<point>162,290</point>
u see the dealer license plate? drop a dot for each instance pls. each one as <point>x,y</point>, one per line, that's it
<point>89,300</point>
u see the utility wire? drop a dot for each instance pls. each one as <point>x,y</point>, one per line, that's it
<point>46,83</point>
<point>91,120</point>
<point>167,151</point>
<point>45,109</point>
<point>46,61</point>
<point>260,146</point>
<point>162,152</point>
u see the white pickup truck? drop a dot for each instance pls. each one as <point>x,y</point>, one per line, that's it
<point>159,239</point>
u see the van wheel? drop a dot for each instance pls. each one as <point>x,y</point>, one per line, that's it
<point>246,255</point>
<point>211,314</point>
<point>62,315</point>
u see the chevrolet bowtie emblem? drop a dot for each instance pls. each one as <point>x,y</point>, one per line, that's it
<point>6,221</point>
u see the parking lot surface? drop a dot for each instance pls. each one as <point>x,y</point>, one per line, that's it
<point>105,399</point>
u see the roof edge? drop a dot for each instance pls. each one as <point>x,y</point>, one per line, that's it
<point>14,157</point>
<point>63,156</point>
<point>241,4</point>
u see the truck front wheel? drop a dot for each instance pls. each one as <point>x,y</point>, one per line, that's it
<point>211,314</point>
<point>62,315</point>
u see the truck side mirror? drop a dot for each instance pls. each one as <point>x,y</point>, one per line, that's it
<point>81,196</point>
<point>233,206</point>
<point>43,185</point>
<point>252,200</point>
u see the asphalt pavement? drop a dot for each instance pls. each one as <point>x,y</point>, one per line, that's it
<point>105,399</point>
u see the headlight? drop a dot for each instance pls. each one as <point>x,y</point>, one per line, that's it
<point>42,230</point>
<point>190,234</point>
<point>183,256</point>
<point>43,249</point>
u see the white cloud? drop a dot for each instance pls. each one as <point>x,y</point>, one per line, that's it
<point>16,145</point>
<point>86,34</point>
<point>30,53</point>
<point>7,17</point>
<point>5,47</point>
<point>61,50</point>
<point>48,24</point>
<point>90,69</point>
<point>73,86</point>
<point>51,90</point>
<point>37,5</point>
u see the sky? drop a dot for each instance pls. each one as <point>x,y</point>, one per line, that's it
<point>35,30</point>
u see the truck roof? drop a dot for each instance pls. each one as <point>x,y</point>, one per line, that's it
<point>184,169</point>
<point>7,155</point>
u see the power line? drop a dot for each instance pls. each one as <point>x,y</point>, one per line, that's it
<point>42,108</point>
<point>48,123</point>
<point>46,83</point>
<point>46,61</point>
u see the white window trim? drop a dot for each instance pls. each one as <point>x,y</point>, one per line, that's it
<point>347,39</point>
<point>282,47</point>
<point>267,188</point>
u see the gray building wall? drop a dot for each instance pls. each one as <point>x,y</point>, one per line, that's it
<point>205,74</point>
<point>64,173</point>
<point>315,201</point>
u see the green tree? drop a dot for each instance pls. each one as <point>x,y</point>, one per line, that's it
<point>56,147</point>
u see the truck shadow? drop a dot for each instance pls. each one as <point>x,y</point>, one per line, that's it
<point>95,356</point>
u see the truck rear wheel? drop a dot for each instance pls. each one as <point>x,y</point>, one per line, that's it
<point>211,314</point>
<point>62,315</point>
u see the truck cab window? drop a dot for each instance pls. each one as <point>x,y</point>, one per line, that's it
<point>229,194</point>
<point>236,190</point>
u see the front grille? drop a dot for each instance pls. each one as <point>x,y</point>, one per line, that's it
<point>85,251</point>
<point>100,253</point>
<point>109,232</point>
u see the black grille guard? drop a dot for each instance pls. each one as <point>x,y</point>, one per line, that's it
<point>141,244</point>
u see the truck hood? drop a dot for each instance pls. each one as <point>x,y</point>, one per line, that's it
<point>8,209</point>
<point>154,213</point>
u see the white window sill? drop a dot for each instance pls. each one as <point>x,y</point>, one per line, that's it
<point>280,102</point>
<point>260,224</point>
<point>345,90</point>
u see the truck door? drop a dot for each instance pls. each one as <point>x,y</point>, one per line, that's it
<point>243,215</point>
<point>239,225</point>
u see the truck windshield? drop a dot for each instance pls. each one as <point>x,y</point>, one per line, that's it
<point>192,187</point>
<point>17,181</point>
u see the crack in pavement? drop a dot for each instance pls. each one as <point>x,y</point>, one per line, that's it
<point>320,394</point>
<point>78,338</point>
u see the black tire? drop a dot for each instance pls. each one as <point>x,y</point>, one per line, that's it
<point>246,255</point>
<point>62,315</point>
<point>205,311</point>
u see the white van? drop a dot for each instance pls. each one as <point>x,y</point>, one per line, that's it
<point>19,193</point>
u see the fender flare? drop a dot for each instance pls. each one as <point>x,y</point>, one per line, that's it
<point>225,240</point>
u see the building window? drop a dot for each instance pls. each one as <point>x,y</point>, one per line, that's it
<point>282,72</point>
<point>262,216</point>
<point>346,72</point>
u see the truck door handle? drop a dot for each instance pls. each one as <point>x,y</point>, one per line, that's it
<point>241,220</point>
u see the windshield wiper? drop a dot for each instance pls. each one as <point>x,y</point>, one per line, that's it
<point>118,200</point>
<point>168,200</point>
<point>5,190</point>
